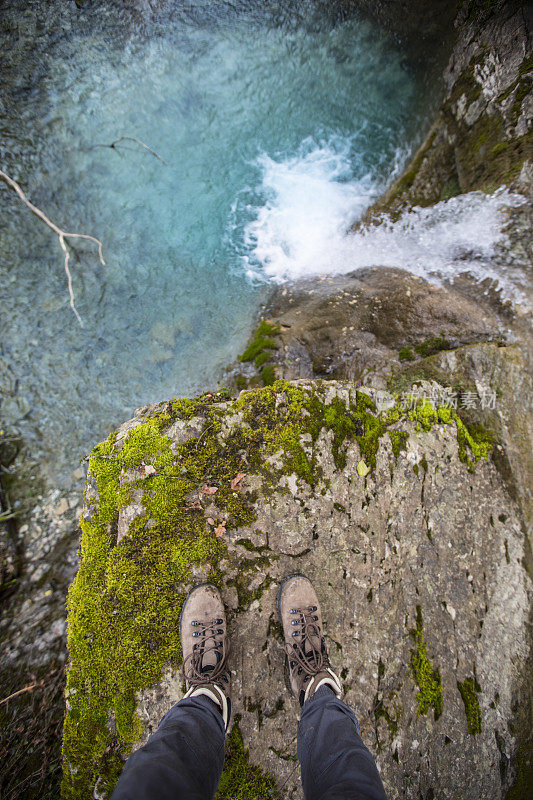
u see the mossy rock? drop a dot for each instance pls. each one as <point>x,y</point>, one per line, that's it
<point>479,139</point>
<point>165,508</point>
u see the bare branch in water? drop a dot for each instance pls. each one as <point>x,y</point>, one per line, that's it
<point>61,234</point>
<point>115,146</point>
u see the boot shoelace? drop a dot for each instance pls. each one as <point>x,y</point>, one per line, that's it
<point>311,661</point>
<point>194,671</point>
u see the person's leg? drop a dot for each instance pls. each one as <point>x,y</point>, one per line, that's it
<point>183,759</point>
<point>335,763</point>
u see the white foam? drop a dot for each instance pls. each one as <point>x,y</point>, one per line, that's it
<point>311,199</point>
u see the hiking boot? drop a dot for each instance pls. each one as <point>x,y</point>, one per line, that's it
<point>205,646</point>
<point>307,656</point>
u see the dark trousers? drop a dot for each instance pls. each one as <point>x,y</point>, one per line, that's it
<point>183,759</point>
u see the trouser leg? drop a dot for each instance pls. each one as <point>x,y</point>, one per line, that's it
<point>335,763</point>
<point>182,760</point>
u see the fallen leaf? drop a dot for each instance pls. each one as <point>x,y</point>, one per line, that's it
<point>208,489</point>
<point>362,469</point>
<point>220,530</point>
<point>210,521</point>
<point>236,480</point>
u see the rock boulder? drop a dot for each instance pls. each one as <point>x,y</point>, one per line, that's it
<point>419,564</point>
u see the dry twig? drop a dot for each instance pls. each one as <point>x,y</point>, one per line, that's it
<point>29,688</point>
<point>114,144</point>
<point>61,234</point>
<point>8,515</point>
<point>202,433</point>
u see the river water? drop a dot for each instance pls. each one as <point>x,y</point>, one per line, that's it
<point>278,123</point>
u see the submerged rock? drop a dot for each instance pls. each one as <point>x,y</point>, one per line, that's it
<point>419,566</point>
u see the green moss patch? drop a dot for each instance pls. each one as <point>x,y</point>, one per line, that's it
<point>283,416</point>
<point>261,342</point>
<point>125,601</point>
<point>469,692</point>
<point>474,441</point>
<point>262,358</point>
<point>187,408</point>
<point>398,441</point>
<point>260,350</point>
<point>268,375</point>
<point>431,346</point>
<point>426,415</point>
<point>424,349</point>
<point>354,422</point>
<point>406,354</point>
<point>241,780</point>
<point>426,677</point>
<point>241,382</point>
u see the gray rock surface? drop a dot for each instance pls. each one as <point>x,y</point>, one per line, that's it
<point>403,540</point>
<point>354,326</point>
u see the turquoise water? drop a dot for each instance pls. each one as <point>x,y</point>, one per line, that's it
<point>278,122</point>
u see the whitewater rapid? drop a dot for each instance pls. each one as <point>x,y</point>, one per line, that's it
<point>305,204</point>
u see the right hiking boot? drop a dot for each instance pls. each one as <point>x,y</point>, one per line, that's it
<point>307,656</point>
<point>205,646</point>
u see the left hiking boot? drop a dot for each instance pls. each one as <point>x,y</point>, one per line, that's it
<point>205,645</point>
<point>307,656</point>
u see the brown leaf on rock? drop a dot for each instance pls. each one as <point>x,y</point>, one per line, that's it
<point>220,530</point>
<point>208,489</point>
<point>236,480</point>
